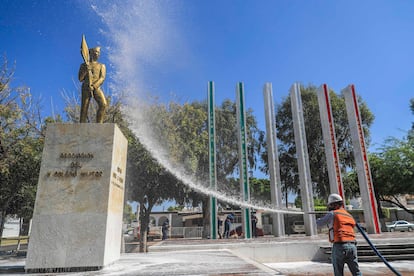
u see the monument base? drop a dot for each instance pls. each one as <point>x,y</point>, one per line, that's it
<point>77,219</point>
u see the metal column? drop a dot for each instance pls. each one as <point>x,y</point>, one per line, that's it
<point>278,225</point>
<point>366,186</point>
<point>303,160</point>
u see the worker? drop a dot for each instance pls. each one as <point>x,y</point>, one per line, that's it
<point>342,235</point>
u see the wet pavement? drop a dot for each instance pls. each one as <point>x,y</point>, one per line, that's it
<point>217,257</point>
<point>211,262</point>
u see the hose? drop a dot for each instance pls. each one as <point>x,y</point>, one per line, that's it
<point>376,250</point>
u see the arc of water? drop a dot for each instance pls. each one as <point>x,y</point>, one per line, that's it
<point>139,125</point>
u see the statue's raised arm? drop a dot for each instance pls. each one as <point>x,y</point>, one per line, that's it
<point>92,75</point>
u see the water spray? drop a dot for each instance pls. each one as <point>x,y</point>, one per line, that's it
<point>141,129</point>
<point>136,38</point>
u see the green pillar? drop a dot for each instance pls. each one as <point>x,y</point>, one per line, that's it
<point>244,178</point>
<point>212,159</point>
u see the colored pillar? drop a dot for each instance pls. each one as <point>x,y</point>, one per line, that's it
<point>369,202</point>
<point>212,159</point>
<point>329,139</point>
<point>244,178</point>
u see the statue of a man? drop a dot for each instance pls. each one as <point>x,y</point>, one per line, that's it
<point>92,75</point>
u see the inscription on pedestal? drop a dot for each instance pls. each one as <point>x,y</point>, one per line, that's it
<point>77,220</point>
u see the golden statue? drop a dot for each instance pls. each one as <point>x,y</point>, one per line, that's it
<point>92,75</point>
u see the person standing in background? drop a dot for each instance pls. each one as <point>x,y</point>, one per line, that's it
<point>165,227</point>
<point>227,225</point>
<point>254,226</point>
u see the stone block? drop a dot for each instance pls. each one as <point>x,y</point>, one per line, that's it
<point>77,219</point>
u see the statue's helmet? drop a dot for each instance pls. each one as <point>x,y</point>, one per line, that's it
<point>95,50</point>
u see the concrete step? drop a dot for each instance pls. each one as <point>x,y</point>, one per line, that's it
<point>401,257</point>
<point>391,252</point>
<point>387,246</point>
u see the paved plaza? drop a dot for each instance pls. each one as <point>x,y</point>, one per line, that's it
<point>218,257</point>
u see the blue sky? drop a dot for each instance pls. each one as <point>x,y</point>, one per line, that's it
<point>171,49</point>
<point>367,43</point>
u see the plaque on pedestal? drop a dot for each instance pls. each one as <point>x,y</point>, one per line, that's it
<point>77,219</point>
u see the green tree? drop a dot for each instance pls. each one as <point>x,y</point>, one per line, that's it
<point>21,143</point>
<point>227,141</point>
<point>182,130</point>
<point>393,171</point>
<point>147,183</point>
<point>260,189</point>
<point>317,159</point>
<point>411,131</point>
<point>129,215</point>
<point>188,146</point>
<point>175,208</point>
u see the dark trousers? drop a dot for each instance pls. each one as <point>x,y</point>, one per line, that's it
<point>345,253</point>
<point>226,230</point>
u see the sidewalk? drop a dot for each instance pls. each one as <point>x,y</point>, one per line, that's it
<point>209,262</point>
<point>215,257</point>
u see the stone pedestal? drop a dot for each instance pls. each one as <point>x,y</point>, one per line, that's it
<point>77,219</point>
